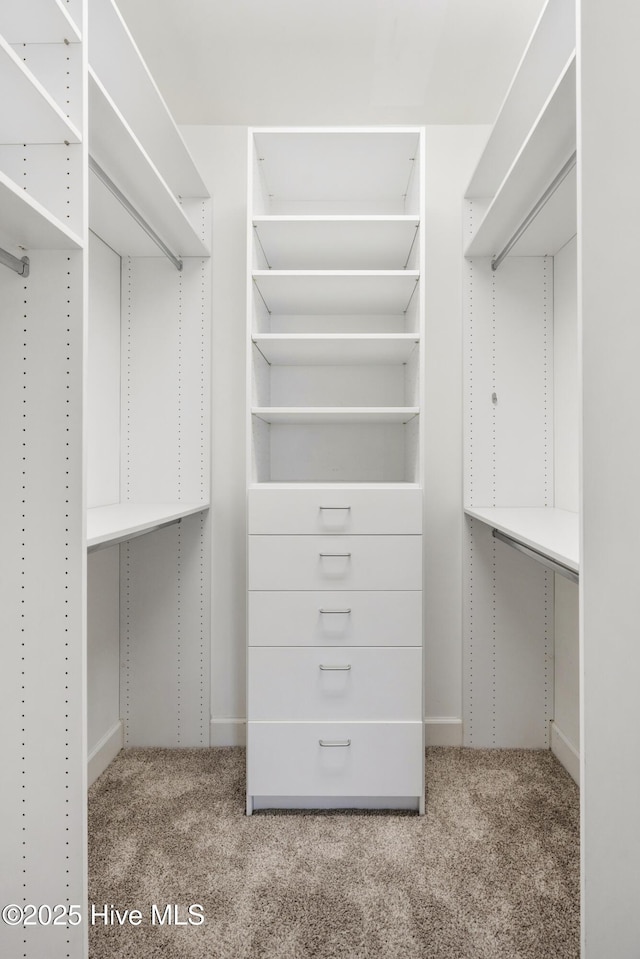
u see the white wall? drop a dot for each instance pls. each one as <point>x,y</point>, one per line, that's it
<point>451,152</point>
<point>221,156</point>
<point>451,155</point>
<point>565,732</point>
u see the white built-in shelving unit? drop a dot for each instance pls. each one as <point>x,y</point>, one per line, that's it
<point>335,331</point>
<point>105,394</point>
<point>520,217</point>
<point>42,562</point>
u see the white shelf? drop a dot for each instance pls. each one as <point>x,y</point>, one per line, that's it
<point>26,224</point>
<point>547,53</point>
<point>117,62</point>
<point>336,242</point>
<point>348,349</point>
<point>38,21</point>
<point>122,521</point>
<point>333,167</point>
<point>336,291</point>
<point>345,483</point>
<point>115,148</point>
<point>550,531</point>
<point>549,145</point>
<point>311,415</point>
<point>28,114</point>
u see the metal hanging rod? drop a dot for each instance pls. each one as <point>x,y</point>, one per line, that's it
<point>539,557</point>
<point>131,210</point>
<point>20,266</point>
<point>530,217</point>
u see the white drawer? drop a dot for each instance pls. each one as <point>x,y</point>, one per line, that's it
<point>278,511</point>
<point>335,618</point>
<point>335,562</point>
<point>322,683</point>
<point>382,759</point>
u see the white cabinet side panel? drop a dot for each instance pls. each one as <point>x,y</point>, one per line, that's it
<point>42,564</point>
<point>509,392</point>
<point>103,376</point>
<point>508,662</point>
<point>103,644</point>
<point>165,354</point>
<point>164,623</point>
<point>609,252</point>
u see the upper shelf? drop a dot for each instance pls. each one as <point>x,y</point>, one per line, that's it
<point>39,21</point>
<point>336,171</point>
<point>336,242</point>
<point>325,292</point>
<point>549,145</point>
<point>28,114</point>
<point>549,49</point>
<point>116,149</point>
<point>552,532</point>
<point>315,415</point>
<point>348,349</point>
<point>108,525</point>
<point>26,224</point>
<point>118,64</point>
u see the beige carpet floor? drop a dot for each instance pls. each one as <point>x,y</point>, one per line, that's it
<point>491,872</point>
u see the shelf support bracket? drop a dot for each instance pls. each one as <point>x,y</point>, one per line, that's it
<point>19,266</point>
<point>551,564</point>
<point>131,210</point>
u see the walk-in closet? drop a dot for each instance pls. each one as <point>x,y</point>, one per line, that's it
<point>318,417</point>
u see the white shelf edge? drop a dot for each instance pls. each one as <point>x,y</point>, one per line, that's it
<point>175,211</point>
<point>113,37</point>
<point>51,225</point>
<point>260,274</point>
<point>547,50</point>
<point>119,521</point>
<point>309,484</point>
<point>545,529</point>
<point>336,218</point>
<point>478,246</point>
<point>309,415</point>
<point>71,132</point>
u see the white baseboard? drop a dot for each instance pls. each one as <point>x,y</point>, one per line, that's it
<point>565,752</point>
<point>443,731</point>
<point>228,732</point>
<point>105,751</point>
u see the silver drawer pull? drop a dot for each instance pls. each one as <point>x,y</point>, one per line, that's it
<point>334,742</point>
<point>335,507</point>
<point>343,668</point>
<point>345,555</point>
<point>328,612</point>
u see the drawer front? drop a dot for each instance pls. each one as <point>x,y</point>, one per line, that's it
<point>335,511</point>
<point>335,562</point>
<point>334,618</point>
<point>322,683</point>
<point>382,759</point>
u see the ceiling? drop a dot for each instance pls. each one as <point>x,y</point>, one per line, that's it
<point>324,62</point>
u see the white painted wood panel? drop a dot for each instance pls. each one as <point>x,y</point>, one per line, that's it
<point>362,562</point>
<point>120,521</point>
<point>336,291</point>
<point>552,532</point>
<point>103,645</point>
<point>334,243</point>
<point>305,684</point>
<point>348,510</point>
<point>327,349</point>
<point>27,224</point>
<point>366,451</point>
<point>328,386</point>
<point>286,758</point>
<point>46,21</point>
<point>566,421</point>
<point>298,171</point>
<point>351,618</point>
<point>548,146</point>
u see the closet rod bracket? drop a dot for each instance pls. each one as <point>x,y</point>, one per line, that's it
<point>19,265</point>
